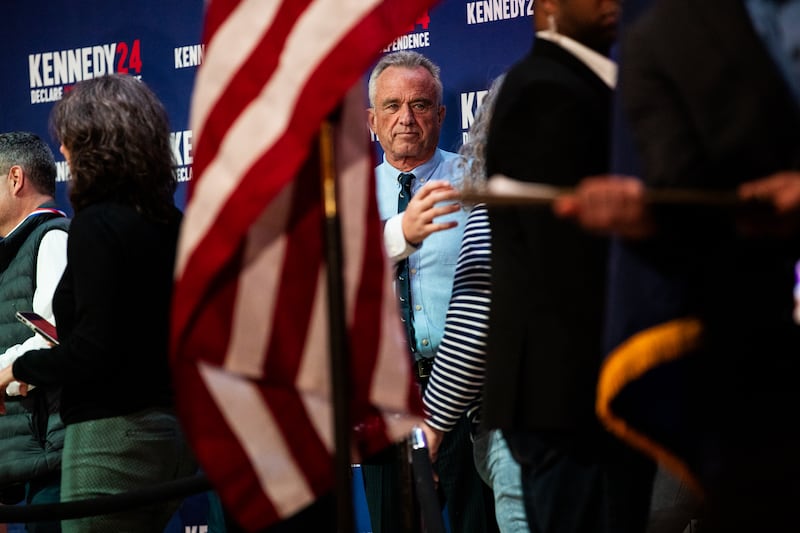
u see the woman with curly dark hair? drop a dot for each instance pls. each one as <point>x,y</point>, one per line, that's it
<point>116,133</point>
<point>112,304</point>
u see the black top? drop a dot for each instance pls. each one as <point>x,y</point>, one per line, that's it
<point>550,125</point>
<point>112,309</point>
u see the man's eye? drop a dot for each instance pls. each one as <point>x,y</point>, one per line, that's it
<point>421,107</point>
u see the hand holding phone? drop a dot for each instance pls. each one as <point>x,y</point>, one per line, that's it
<point>38,324</point>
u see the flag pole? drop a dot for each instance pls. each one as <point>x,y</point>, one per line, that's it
<point>337,328</point>
<point>501,190</point>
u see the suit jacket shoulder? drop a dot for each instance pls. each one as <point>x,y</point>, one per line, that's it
<point>550,106</point>
<point>548,61</point>
<point>706,104</point>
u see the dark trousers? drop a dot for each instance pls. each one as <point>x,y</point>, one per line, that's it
<point>582,484</point>
<point>469,501</point>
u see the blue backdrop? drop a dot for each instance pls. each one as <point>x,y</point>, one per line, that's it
<point>61,42</point>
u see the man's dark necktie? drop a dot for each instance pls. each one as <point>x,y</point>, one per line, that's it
<point>403,281</point>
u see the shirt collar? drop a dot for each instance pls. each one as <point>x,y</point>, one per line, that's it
<point>605,68</point>
<point>423,171</point>
<point>43,209</point>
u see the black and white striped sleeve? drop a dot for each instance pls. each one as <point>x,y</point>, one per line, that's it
<point>460,364</point>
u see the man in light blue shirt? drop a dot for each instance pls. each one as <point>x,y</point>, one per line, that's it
<point>416,187</point>
<point>431,261</point>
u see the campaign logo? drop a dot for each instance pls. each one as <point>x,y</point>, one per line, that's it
<point>413,38</point>
<point>494,10</point>
<point>470,102</point>
<point>51,74</point>
<point>189,56</point>
<point>184,154</point>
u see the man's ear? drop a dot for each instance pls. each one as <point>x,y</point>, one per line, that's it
<point>371,120</point>
<point>16,178</point>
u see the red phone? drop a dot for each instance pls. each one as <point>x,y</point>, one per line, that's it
<point>39,325</point>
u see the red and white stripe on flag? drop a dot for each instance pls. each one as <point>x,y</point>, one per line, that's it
<point>250,339</point>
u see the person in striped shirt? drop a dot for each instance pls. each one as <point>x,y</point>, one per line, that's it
<point>459,366</point>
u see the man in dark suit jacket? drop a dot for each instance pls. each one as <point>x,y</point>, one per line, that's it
<point>551,125</point>
<point>709,109</point>
<point>710,106</point>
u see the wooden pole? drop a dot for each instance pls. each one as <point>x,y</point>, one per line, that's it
<point>501,190</point>
<point>339,349</point>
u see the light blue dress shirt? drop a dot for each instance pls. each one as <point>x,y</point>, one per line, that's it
<point>432,266</point>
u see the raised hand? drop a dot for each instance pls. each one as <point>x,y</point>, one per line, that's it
<point>418,218</point>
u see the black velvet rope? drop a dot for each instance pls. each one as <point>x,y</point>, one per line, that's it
<point>179,488</point>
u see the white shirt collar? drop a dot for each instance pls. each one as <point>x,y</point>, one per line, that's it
<point>605,69</point>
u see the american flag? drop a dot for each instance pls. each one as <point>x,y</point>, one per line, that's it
<point>250,339</point>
